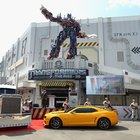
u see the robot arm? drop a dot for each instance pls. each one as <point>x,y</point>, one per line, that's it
<point>91,35</point>
<point>84,35</point>
<point>49,15</point>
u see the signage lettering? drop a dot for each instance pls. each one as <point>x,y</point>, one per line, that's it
<point>57,74</point>
<point>126,34</point>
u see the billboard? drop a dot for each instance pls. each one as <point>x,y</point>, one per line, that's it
<point>105,85</point>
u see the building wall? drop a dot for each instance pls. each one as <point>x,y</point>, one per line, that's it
<point>116,37</point>
<point>121,43</point>
<point>118,47</point>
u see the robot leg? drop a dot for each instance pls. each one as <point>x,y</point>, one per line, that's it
<point>73,49</point>
<point>58,42</point>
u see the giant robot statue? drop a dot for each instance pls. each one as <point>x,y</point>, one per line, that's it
<point>71,29</point>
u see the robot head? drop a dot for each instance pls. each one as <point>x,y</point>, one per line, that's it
<point>69,17</point>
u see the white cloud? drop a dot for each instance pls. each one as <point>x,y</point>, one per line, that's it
<point>128,3</point>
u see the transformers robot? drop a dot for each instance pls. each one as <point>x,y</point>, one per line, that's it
<point>71,29</point>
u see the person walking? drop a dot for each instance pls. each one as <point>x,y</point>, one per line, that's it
<point>134,109</point>
<point>87,102</point>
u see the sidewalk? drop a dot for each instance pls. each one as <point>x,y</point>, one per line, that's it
<point>133,127</point>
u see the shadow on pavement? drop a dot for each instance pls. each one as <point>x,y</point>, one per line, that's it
<point>115,128</point>
<point>118,128</point>
<point>16,131</point>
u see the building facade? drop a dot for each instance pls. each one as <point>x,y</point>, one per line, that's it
<point>116,50</point>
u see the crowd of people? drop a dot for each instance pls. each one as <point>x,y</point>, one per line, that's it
<point>27,105</point>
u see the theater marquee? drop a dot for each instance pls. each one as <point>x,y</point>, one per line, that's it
<point>40,74</point>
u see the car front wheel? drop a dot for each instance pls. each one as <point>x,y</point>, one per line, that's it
<point>55,123</point>
<point>104,123</point>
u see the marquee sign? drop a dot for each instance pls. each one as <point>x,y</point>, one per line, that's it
<point>40,74</point>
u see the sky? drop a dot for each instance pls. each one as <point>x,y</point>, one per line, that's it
<point>17,15</point>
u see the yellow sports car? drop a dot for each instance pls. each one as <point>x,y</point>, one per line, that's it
<point>81,116</point>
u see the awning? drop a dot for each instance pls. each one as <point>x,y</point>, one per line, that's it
<point>57,84</point>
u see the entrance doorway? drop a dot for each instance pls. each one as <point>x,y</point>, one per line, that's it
<point>60,94</point>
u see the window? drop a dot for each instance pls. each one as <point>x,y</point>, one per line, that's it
<point>7,91</point>
<point>45,52</point>
<point>120,56</point>
<point>24,42</point>
<point>85,110</point>
<point>13,51</point>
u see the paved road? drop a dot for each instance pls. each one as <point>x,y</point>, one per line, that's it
<point>125,130</point>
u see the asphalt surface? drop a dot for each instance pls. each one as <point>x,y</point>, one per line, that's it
<point>127,130</point>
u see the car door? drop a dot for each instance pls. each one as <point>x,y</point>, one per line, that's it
<point>81,117</point>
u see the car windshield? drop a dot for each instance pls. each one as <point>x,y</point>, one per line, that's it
<point>69,109</point>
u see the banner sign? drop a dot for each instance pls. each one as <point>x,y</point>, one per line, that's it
<point>40,74</point>
<point>73,99</point>
<point>105,85</point>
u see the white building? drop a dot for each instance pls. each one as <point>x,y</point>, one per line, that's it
<point>116,50</point>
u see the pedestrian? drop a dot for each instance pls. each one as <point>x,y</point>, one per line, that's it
<point>65,104</point>
<point>87,102</point>
<point>107,104</point>
<point>26,107</point>
<point>134,109</point>
<point>30,103</point>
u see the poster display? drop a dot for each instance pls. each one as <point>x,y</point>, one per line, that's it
<point>105,85</point>
<point>73,99</point>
